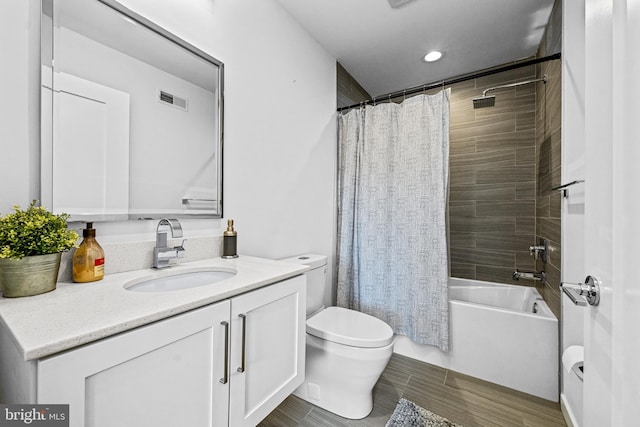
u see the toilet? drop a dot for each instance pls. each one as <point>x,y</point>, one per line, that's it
<point>346,351</point>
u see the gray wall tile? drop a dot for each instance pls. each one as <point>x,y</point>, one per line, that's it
<point>548,143</point>
<point>497,179</point>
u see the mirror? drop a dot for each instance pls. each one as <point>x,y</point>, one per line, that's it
<point>131,117</point>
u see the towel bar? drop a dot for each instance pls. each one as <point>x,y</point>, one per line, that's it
<point>564,187</point>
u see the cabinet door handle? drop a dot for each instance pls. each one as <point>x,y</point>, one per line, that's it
<point>225,378</point>
<point>244,340</point>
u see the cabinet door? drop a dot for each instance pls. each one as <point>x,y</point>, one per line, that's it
<point>164,374</point>
<point>267,349</point>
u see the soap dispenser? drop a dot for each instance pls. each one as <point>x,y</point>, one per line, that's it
<point>230,241</point>
<point>88,259</point>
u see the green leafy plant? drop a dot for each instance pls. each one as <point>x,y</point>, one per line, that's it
<point>34,231</point>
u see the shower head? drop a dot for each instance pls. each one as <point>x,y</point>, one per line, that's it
<point>490,100</point>
<point>484,101</point>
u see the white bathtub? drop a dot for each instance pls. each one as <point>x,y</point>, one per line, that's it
<point>503,334</point>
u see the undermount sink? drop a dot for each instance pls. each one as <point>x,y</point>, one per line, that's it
<point>179,281</point>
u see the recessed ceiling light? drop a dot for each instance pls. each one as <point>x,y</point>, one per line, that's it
<point>434,55</point>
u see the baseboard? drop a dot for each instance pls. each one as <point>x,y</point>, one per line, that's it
<point>567,413</point>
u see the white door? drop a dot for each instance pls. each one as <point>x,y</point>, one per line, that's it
<point>88,157</point>
<point>612,211</point>
<point>267,349</point>
<point>164,374</point>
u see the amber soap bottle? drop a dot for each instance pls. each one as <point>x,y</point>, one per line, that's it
<point>88,259</point>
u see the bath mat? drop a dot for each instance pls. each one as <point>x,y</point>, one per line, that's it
<point>408,414</point>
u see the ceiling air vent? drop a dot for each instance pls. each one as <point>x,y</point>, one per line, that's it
<point>173,100</point>
<point>398,3</point>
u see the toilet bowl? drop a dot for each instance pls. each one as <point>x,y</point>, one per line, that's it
<point>346,351</point>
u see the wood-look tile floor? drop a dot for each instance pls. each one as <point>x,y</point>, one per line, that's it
<point>460,398</point>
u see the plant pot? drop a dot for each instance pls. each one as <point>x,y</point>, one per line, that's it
<point>31,275</point>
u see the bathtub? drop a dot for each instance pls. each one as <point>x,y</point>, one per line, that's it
<point>503,334</point>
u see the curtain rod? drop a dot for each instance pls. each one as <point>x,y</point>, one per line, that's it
<point>465,77</point>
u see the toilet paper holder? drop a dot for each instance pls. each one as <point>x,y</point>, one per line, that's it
<point>578,369</point>
<point>573,360</point>
<point>583,293</point>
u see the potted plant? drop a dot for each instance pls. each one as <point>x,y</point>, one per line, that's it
<point>31,245</point>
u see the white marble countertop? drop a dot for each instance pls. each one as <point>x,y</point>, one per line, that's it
<point>78,313</point>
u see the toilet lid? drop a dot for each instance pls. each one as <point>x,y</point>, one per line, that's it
<point>349,327</point>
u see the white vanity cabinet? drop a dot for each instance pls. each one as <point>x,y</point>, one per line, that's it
<point>163,374</point>
<point>267,349</point>
<point>226,364</point>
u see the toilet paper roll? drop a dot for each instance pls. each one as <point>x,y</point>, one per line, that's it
<point>572,355</point>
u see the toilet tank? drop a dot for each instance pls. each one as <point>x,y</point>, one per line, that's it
<point>316,279</point>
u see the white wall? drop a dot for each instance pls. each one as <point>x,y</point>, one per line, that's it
<point>573,208</point>
<point>19,111</point>
<point>279,129</point>
<point>573,135</point>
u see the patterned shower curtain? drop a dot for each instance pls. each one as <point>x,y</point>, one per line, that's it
<point>392,232</point>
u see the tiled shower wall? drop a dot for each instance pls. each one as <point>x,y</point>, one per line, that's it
<point>349,90</point>
<point>504,162</point>
<point>492,202</point>
<point>548,146</point>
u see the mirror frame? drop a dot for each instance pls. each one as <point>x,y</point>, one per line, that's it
<point>151,26</point>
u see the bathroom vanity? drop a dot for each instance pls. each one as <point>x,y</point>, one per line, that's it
<point>225,353</point>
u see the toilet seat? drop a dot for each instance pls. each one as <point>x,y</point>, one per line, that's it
<point>349,327</point>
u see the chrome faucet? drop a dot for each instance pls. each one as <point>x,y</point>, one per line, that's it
<point>162,253</point>
<point>517,275</point>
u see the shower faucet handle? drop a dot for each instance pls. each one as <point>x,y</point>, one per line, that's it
<point>583,293</point>
<point>541,250</point>
<point>535,249</point>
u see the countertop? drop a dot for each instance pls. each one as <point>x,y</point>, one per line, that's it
<point>78,313</point>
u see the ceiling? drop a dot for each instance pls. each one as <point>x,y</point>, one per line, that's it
<point>382,47</point>
<point>105,25</point>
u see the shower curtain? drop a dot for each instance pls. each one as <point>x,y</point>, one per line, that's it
<point>392,235</point>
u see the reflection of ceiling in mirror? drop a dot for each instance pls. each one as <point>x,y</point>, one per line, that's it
<point>99,22</point>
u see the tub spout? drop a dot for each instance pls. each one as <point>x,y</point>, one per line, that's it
<point>541,276</point>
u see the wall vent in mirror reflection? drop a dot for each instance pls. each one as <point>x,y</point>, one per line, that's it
<point>173,100</point>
